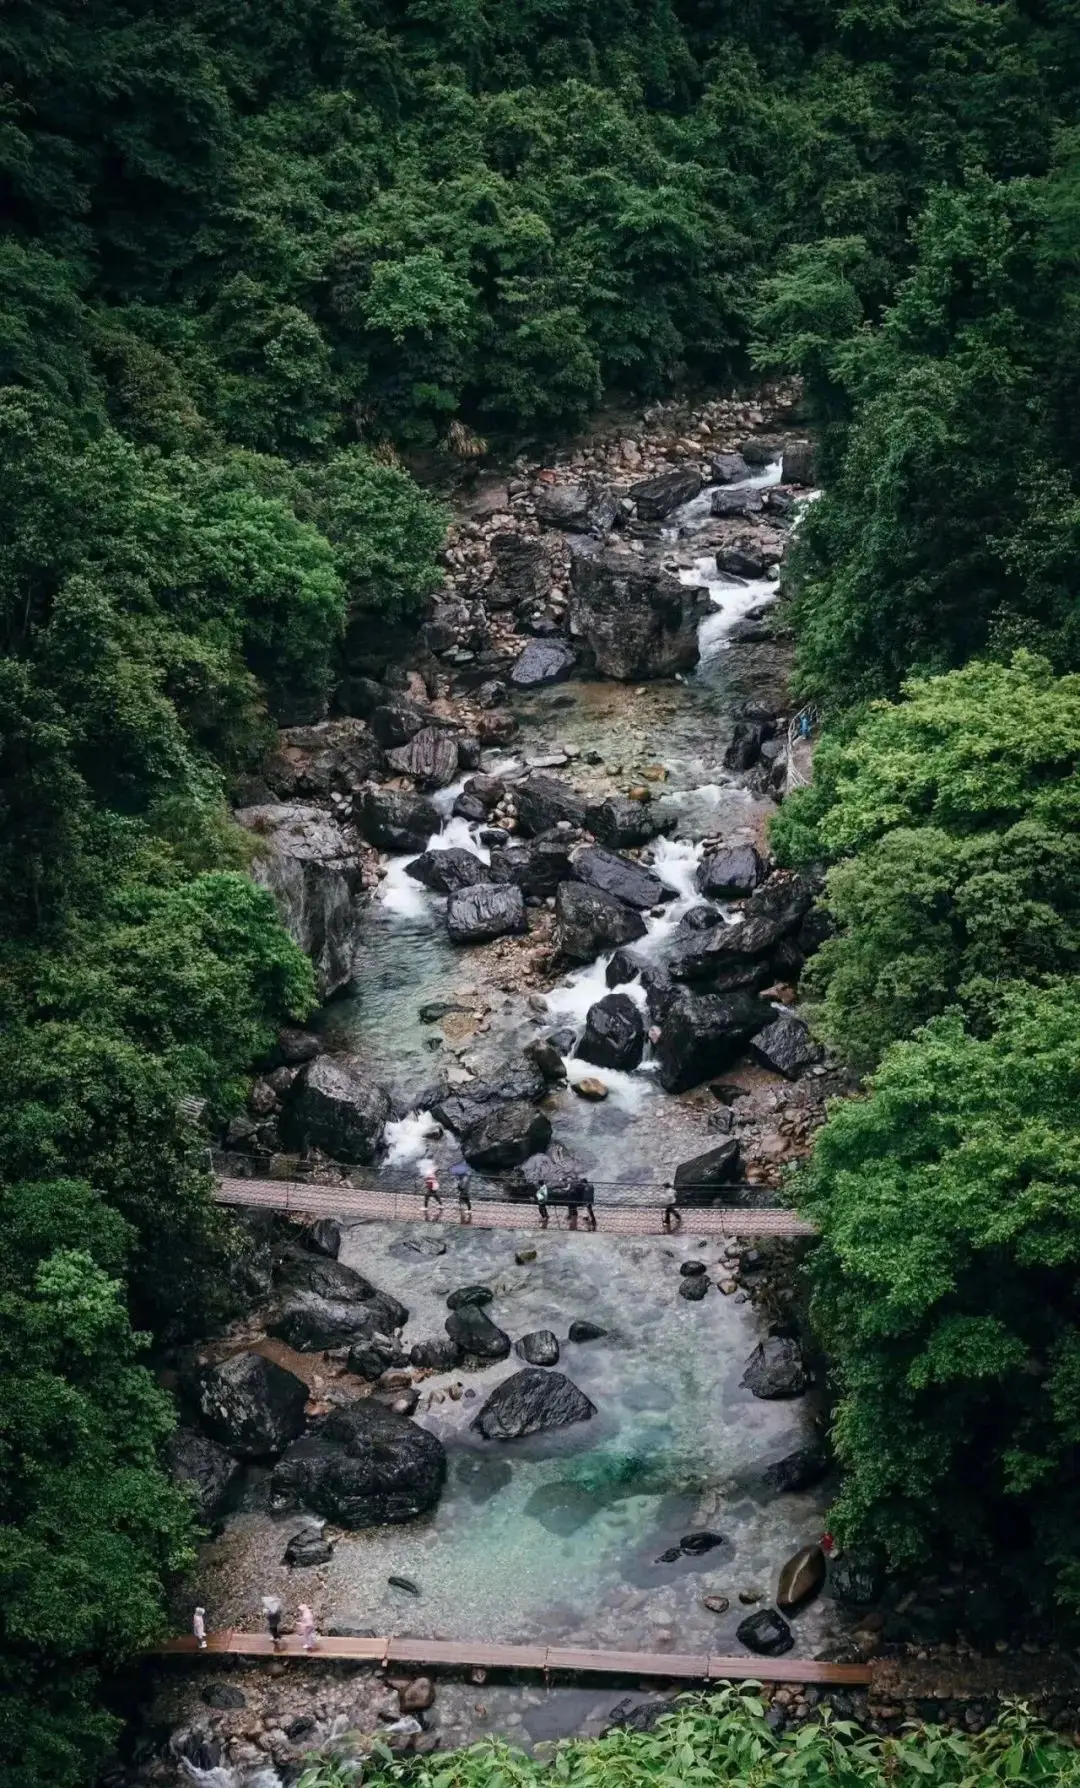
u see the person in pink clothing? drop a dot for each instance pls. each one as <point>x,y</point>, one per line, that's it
<point>305,1627</point>
<point>198,1627</point>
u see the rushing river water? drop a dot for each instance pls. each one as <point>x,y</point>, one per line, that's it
<point>559,1537</point>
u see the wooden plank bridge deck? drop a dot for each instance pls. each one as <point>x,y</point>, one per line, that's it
<point>465,1654</point>
<point>309,1199</point>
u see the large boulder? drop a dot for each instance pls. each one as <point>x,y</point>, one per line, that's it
<point>522,571</point>
<point>657,497</point>
<point>543,801</point>
<point>735,504</point>
<point>621,876</point>
<point>797,1471</point>
<point>519,1078</point>
<point>746,741</point>
<point>312,871</point>
<point>614,1033</point>
<point>728,873</point>
<point>765,1632</point>
<point>395,720</point>
<point>472,1331</point>
<point>540,1348</point>
<point>398,820</point>
<point>536,866</point>
<point>698,1181</point>
<point>337,1107</point>
<point>360,1466</point>
<point>703,1034</point>
<point>331,757</point>
<point>729,468</point>
<point>786,1046</point>
<point>590,921</point>
<point>444,872</point>
<point>637,620</point>
<point>775,1369</point>
<point>431,758</point>
<point>621,823</point>
<point>542,661</point>
<point>857,1579</point>
<point>205,1470</point>
<point>797,465</point>
<point>556,1168</point>
<point>476,915</point>
<point>326,1304</point>
<point>702,956</point>
<point>801,1578</point>
<point>578,508</point>
<point>531,1402</point>
<point>505,1136</point>
<point>249,1404</point>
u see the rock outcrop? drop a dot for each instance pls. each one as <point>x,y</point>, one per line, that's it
<point>247,1403</point>
<point>703,1034</point>
<point>505,1136</point>
<point>476,915</point>
<point>542,662</point>
<point>776,1370</point>
<point>206,1470</point>
<point>444,872</point>
<point>311,869</point>
<point>398,820</point>
<point>637,620</point>
<point>336,1106</point>
<point>614,1033</point>
<point>621,876</point>
<point>590,921</point>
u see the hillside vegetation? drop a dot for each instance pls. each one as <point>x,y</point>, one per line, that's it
<point>251,253</point>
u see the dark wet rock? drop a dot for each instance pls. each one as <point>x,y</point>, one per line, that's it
<point>470,752</point>
<point>470,1295</point>
<point>695,1545</point>
<point>729,468</point>
<point>249,1404</point>
<point>766,1633</point>
<point>536,866</point>
<point>541,1348</point>
<point>656,498</point>
<point>326,1304</point>
<point>467,807</point>
<point>295,1047</point>
<point>624,966</point>
<point>396,720</point>
<point>361,1465</point>
<point>307,1547</point>
<point>614,1033</point>
<point>441,1354</point>
<point>629,1715</point>
<point>857,1579</point>
<point>692,1269</point>
<point>431,758</point>
<point>224,1695</point>
<point>488,790</point>
<point>522,571</point>
<point>476,915</point>
<point>406,1583</point>
<point>620,876</point>
<point>693,1290</point>
<point>785,897</point>
<point>730,872</point>
<point>473,1331</point>
<point>371,1358</point>
<point>702,1034</point>
<point>698,1181</point>
<point>585,1331</point>
<point>670,1557</point>
<point>729,947</point>
<point>531,1402</point>
<point>563,1038</point>
<point>775,1369</point>
<point>505,1136</point>
<point>496,729</point>
<point>520,1079</point>
<point>779,503</point>
<point>447,871</point>
<point>331,757</point>
<point>325,1237</point>
<point>801,1578</point>
<point>542,662</point>
<point>311,869</point>
<point>786,1046</point>
<point>797,1471</point>
<point>492,694</point>
<point>701,918</point>
<point>637,620</point>
<point>548,1059</point>
<point>543,801</point>
<point>336,1106</point>
<point>621,823</point>
<point>741,561</point>
<point>398,820</point>
<point>735,503</point>
<point>797,466</point>
<point>746,742</point>
<point>578,508</point>
<point>205,1470</point>
<point>590,921</point>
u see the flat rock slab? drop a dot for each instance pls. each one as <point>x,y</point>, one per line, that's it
<point>531,1402</point>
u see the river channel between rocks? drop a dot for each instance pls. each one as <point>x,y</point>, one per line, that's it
<point>570,1536</point>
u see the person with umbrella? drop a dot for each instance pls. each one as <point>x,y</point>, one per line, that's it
<point>462,1175</point>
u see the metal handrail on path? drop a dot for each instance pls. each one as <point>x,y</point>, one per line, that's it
<point>464,1654</point>
<point>306,1198</point>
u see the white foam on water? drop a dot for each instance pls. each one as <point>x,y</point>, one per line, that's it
<point>400,894</point>
<point>570,1001</point>
<point>443,799</point>
<point>699,509</point>
<point>624,1090</point>
<point>457,835</point>
<point>408,1138</point>
<point>732,602</point>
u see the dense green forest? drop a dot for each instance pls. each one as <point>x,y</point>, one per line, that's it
<point>251,254</point>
